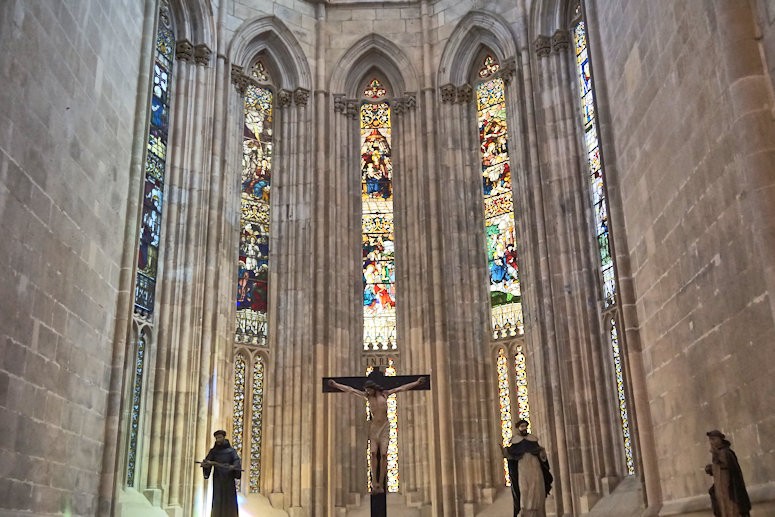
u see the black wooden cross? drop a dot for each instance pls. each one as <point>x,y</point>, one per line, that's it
<point>378,500</point>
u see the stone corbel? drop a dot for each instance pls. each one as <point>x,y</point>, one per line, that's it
<point>465,93</point>
<point>448,93</point>
<point>300,96</point>
<point>543,46</point>
<point>283,99</point>
<point>508,69</point>
<point>560,40</point>
<point>351,108</point>
<point>184,51</point>
<point>398,105</point>
<point>202,54</point>
<point>411,101</point>
<point>339,103</point>
<point>238,79</point>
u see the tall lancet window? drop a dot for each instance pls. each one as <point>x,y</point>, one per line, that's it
<point>150,223</point>
<point>155,165</point>
<point>501,245</point>
<point>596,178</point>
<point>379,292</point>
<point>253,273</point>
<point>505,293</point>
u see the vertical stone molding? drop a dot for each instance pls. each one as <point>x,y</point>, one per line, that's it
<point>184,51</point>
<point>202,54</point>
<point>542,46</point>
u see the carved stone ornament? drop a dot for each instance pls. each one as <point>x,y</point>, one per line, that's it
<point>202,54</point>
<point>339,103</point>
<point>238,79</point>
<point>465,93</point>
<point>300,96</point>
<point>448,93</point>
<point>283,99</point>
<point>352,108</point>
<point>508,69</point>
<point>398,105</point>
<point>543,46</point>
<point>560,40</point>
<point>184,51</point>
<point>411,101</point>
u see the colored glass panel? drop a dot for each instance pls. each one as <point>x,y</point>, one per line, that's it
<point>253,270</point>
<point>259,72</point>
<point>256,414</point>
<point>134,418</point>
<point>595,165</point>
<point>523,403</point>
<point>240,383</point>
<point>489,66</point>
<point>622,399</point>
<point>505,292</point>
<point>375,89</point>
<point>155,163</point>
<point>379,294</point>
<point>392,454</point>
<point>504,397</point>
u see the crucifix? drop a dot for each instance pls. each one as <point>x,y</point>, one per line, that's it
<point>376,388</point>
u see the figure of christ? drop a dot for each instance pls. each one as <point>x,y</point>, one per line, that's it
<point>379,427</point>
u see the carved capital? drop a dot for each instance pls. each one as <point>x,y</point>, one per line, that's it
<point>560,40</point>
<point>351,108</point>
<point>448,93</point>
<point>465,93</point>
<point>238,79</point>
<point>184,51</point>
<point>508,69</point>
<point>339,103</point>
<point>543,46</point>
<point>411,101</point>
<point>283,99</point>
<point>300,96</point>
<point>398,105</point>
<point>202,54</point>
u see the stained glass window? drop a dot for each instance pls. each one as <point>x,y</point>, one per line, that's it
<point>256,413</point>
<point>259,72</point>
<point>240,385</point>
<point>375,90</point>
<point>622,399</point>
<point>596,173</point>
<point>134,419</point>
<point>392,454</point>
<point>504,397</point>
<point>155,164</point>
<point>489,66</point>
<point>505,292</point>
<point>253,270</point>
<point>521,373</point>
<point>379,295</point>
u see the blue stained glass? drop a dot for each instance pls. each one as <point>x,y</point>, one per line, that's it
<point>155,163</point>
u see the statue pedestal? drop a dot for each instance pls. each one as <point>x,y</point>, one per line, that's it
<point>379,505</point>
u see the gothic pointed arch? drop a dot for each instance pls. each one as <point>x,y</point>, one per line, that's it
<point>548,16</point>
<point>193,21</point>
<point>373,52</point>
<point>476,30</point>
<point>270,37</point>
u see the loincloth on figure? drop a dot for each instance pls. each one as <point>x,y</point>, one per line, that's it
<point>379,436</point>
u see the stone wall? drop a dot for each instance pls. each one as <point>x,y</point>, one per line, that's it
<point>66,114</point>
<point>693,148</point>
